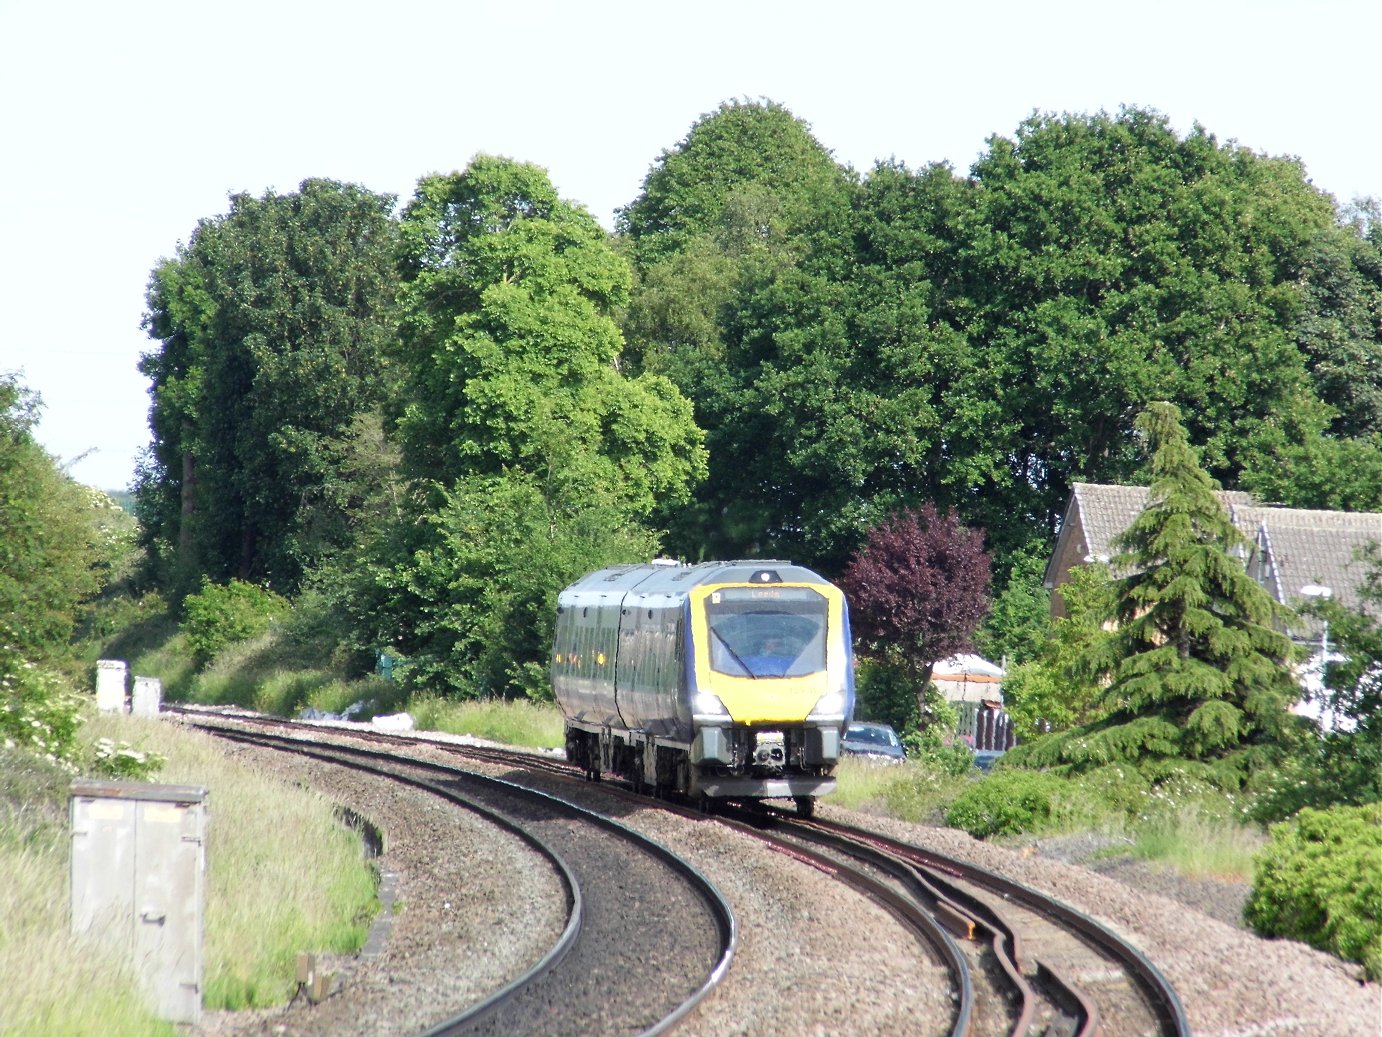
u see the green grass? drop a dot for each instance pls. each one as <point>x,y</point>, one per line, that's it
<point>1201,847</point>
<point>282,877</point>
<point>55,983</point>
<point>532,725</point>
<point>911,791</point>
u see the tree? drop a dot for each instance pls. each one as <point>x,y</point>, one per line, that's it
<point>1108,262</point>
<point>511,351</point>
<point>472,608</point>
<point>537,458</point>
<point>272,322</point>
<point>1195,669</point>
<point>1017,627</point>
<point>1048,690</point>
<point>917,589</point>
<point>750,159</point>
<point>54,549</point>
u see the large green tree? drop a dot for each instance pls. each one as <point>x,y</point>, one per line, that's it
<point>272,322</point>
<point>537,455</point>
<point>750,165</point>
<point>1109,262</point>
<point>1196,668</point>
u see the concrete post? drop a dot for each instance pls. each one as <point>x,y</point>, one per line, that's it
<point>110,685</point>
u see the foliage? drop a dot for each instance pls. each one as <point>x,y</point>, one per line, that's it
<point>40,712</point>
<point>884,693</point>
<point>1195,669</point>
<point>1108,263</point>
<point>480,587</point>
<point>917,589</point>
<point>271,323</point>
<point>124,762</point>
<point>1015,630</point>
<point>536,725</point>
<point>511,350</point>
<point>540,458</point>
<point>1049,691</point>
<point>982,342</point>
<point>1007,803</point>
<point>59,542</point>
<point>743,150</point>
<point>220,615</point>
<point>1318,881</point>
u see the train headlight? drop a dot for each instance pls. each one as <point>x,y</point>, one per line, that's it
<point>830,707</point>
<point>708,707</point>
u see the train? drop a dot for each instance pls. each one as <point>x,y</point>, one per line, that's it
<point>709,681</point>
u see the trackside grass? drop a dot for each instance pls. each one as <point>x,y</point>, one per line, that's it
<point>1202,847</point>
<point>530,725</point>
<point>910,791</point>
<point>282,877</point>
<point>54,983</point>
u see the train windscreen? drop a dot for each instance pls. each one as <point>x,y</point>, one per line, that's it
<point>766,631</point>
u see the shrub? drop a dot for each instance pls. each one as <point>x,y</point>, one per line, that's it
<point>1318,881</point>
<point>218,616</point>
<point>39,710</point>
<point>124,762</point>
<point>1007,803</point>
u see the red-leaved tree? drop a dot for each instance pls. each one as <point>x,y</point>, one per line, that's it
<point>917,589</point>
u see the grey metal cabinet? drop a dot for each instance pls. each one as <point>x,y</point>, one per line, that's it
<point>138,880</point>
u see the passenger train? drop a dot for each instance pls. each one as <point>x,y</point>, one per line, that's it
<point>716,680</point>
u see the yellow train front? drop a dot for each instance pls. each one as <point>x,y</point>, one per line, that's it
<point>717,680</point>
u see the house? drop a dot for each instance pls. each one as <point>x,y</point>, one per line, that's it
<point>1297,555</point>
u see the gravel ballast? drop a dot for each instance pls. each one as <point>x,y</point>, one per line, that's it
<point>814,958</point>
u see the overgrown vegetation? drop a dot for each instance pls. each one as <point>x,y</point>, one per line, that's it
<point>284,877</point>
<point>1319,881</point>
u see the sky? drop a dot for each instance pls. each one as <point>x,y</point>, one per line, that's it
<point>123,124</point>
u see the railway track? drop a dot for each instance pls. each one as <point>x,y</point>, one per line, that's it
<point>1020,963</point>
<point>1053,970</point>
<point>601,975</point>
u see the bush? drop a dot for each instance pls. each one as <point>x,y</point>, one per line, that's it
<point>1318,881</point>
<point>39,711</point>
<point>218,616</point>
<point>1008,803</point>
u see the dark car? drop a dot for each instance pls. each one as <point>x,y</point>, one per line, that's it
<point>876,742</point>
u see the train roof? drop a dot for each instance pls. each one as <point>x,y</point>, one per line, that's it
<point>673,578</point>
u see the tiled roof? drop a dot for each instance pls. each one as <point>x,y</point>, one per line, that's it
<point>1312,549</point>
<point>1291,548</point>
<point>1107,510</point>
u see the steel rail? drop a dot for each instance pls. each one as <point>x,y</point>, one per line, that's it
<point>1165,1002</point>
<point>904,908</point>
<point>727,926</point>
<point>955,913</point>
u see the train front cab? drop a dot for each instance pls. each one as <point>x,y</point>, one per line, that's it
<point>770,686</point>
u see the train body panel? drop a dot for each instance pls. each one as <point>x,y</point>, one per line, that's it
<point>724,678</point>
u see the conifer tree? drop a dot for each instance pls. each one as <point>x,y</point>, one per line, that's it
<point>1196,669</point>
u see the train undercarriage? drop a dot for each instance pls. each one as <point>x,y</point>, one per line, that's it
<point>732,763</point>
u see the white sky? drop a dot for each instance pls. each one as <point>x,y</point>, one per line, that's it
<point>123,124</point>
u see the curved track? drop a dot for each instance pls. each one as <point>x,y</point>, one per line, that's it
<point>1066,972</point>
<point>602,975</point>
<point>1021,963</point>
